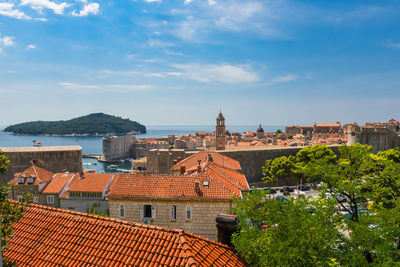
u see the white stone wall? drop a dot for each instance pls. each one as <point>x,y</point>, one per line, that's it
<point>202,223</point>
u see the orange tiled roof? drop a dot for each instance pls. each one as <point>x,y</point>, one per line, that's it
<point>337,124</point>
<point>235,179</point>
<point>170,186</point>
<point>58,182</point>
<point>48,236</point>
<point>91,182</point>
<point>41,175</point>
<point>218,158</point>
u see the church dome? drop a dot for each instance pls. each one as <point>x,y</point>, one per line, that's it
<point>260,129</point>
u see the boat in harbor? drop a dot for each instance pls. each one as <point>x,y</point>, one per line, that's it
<point>112,167</point>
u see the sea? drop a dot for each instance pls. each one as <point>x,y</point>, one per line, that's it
<point>93,144</point>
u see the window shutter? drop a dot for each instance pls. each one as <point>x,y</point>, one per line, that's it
<point>141,211</point>
<point>153,211</point>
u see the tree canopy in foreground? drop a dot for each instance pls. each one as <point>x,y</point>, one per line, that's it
<point>354,221</point>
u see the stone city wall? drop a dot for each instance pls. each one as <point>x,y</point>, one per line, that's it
<point>380,138</point>
<point>54,159</point>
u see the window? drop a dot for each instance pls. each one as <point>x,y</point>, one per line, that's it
<point>30,180</point>
<point>188,212</point>
<point>21,180</point>
<point>35,199</point>
<point>122,210</point>
<point>19,197</point>
<point>50,199</point>
<point>147,211</point>
<point>173,212</point>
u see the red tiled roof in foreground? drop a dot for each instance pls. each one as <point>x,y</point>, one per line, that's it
<point>48,236</point>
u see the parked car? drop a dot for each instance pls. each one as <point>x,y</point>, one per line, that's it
<point>282,198</point>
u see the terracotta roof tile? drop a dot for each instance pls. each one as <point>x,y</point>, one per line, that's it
<point>48,236</point>
<point>90,182</point>
<point>41,176</point>
<point>218,158</point>
<point>171,186</point>
<point>58,182</point>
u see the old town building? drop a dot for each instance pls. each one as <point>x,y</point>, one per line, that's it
<point>190,202</point>
<point>220,132</point>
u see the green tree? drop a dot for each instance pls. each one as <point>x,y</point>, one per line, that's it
<point>370,236</point>
<point>279,168</point>
<point>278,131</point>
<point>285,233</point>
<point>10,211</point>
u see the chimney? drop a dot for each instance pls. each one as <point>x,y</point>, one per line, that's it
<point>197,187</point>
<point>82,174</point>
<point>199,166</point>
<point>209,159</point>
<point>183,169</point>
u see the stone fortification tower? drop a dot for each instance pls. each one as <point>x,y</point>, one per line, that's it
<point>353,134</point>
<point>220,132</point>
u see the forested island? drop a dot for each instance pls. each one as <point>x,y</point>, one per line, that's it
<point>93,124</point>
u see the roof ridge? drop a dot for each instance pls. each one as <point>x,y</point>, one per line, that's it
<point>184,244</point>
<point>231,179</point>
<point>226,171</point>
<point>185,159</point>
<point>222,184</point>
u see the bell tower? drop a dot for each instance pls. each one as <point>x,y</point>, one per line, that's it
<point>220,132</point>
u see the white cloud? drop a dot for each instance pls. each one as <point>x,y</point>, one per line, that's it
<point>7,41</point>
<point>153,1</point>
<point>286,78</point>
<point>159,43</point>
<point>107,87</point>
<point>30,47</point>
<point>75,86</point>
<point>89,9</point>
<point>7,9</point>
<point>394,45</point>
<point>129,87</point>
<point>239,16</point>
<point>186,2</point>
<point>159,75</point>
<point>1,50</point>
<point>39,5</point>
<point>223,73</point>
<point>212,2</point>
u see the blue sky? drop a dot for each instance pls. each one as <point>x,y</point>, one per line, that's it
<point>179,62</point>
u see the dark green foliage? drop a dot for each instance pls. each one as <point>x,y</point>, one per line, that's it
<point>92,210</point>
<point>368,234</point>
<point>278,131</point>
<point>285,233</point>
<point>3,162</point>
<point>99,123</point>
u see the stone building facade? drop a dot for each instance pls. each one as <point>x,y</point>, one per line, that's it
<point>190,201</point>
<point>201,222</point>
<point>160,161</point>
<point>51,158</point>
